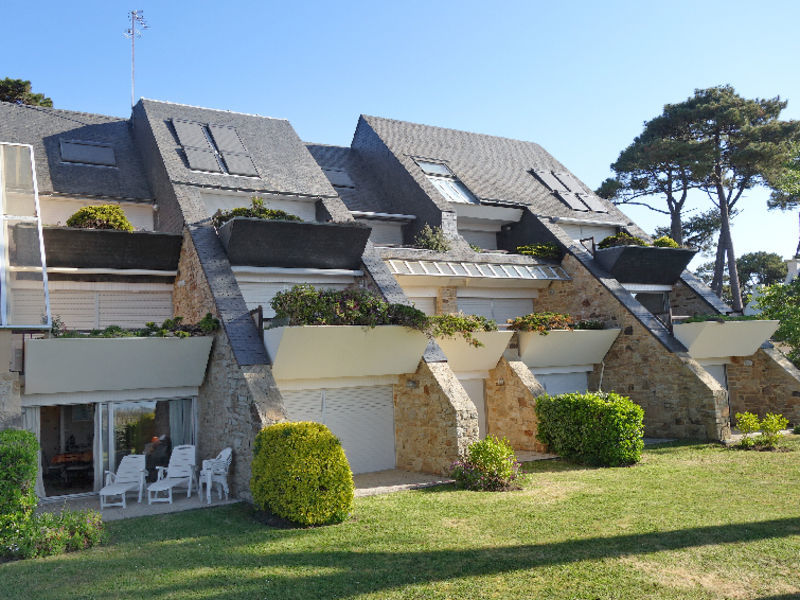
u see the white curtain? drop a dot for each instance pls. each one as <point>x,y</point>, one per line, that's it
<point>31,422</point>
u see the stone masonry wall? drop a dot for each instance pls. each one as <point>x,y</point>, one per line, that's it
<point>434,419</point>
<point>679,397</point>
<point>765,382</point>
<point>234,402</point>
<point>447,301</point>
<point>685,302</point>
<point>511,391</point>
<point>10,401</point>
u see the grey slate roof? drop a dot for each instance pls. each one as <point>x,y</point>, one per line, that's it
<point>43,128</point>
<point>283,163</point>
<point>493,168</point>
<point>367,194</point>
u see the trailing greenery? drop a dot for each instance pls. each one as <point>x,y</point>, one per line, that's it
<point>621,239</point>
<point>306,305</point>
<point>665,242</point>
<point>19,459</point>
<point>448,326</point>
<point>547,250</point>
<point>782,301</point>
<point>300,473</point>
<point>597,428</point>
<point>721,318</point>
<point>490,465</point>
<point>104,216</point>
<point>547,321</point>
<point>174,327</point>
<point>256,210</point>
<point>770,427</point>
<point>432,238</point>
<point>475,248</point>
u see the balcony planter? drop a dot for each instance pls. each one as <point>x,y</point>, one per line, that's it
<point>564,348</point>
<point>106,364</point>
<point>292,244</point>
<point>98,248</point>
<point>715,339</point>
<point>464,357</point>
<point>334,351</point>
<point>644,264</point>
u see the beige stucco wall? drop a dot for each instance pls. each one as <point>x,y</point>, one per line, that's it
<point>434,419</point>
<point>679,398</point>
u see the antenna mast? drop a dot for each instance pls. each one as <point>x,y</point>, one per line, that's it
<point>137,17</point>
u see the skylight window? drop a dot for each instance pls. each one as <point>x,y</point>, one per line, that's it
<point>88,153</point>
<point>570,191</point>
<point>339,178</point>
<point>448,185</point>
<point>214,149</point>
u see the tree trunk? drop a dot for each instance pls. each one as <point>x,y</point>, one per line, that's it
<point>676,227</point>
<point>727,241</point>
<point>719,268</point>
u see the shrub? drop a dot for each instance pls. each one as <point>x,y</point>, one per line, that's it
<point>490,465</point>
<point>747,423</point>
<point>432,238</point>
<point>47,534</point>
<point>256,210</point>
<point>796,430</point>
<point>771,426</point>
<point>19,462</point>
<point>546,321</point>
<point>460,324</point>
<point>720,318</point>
<point>665,242</point>
<point>104,216</point>
<point>300,473</point>
<point>541,250</point>
<point>621,239</point>
<point>174,327</point>
<point>594,428</point>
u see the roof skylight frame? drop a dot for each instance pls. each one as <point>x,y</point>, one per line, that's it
<point>211,147</point>
<point>91,143</point>
<point>445,181</point>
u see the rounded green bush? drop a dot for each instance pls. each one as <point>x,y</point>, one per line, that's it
<point>19,463</point>
<point>621,239</point>
<point>300,473</point>
<point>490,465</point>
<point>595,428</point>
<point>104,216</point>
<point>665,242</point>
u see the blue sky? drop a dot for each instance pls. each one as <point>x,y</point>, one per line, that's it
<point>579,78</point>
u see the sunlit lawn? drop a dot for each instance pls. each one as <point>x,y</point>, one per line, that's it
<point>691,521</point>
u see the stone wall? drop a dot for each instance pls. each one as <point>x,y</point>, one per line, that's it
<point>765,382</point>
<point>234,402</point>
<point>679,397</point>
<point>511,391</point>
<point>685,302</point>
<point>434,419</point>
<point>447,301</point>
<point>10,402</point>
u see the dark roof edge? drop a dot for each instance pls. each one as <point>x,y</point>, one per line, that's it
<point>704,292</point>
<point>221,110</point>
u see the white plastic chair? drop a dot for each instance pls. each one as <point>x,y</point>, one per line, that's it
<point>216,471</point>
<point>130,476</point>
<point>179,472</point>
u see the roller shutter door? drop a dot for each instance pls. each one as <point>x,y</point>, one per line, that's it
<point>501,310</point>
<point>425,304</point>
<point>564,383</point>
<point>361,417</point>
<point>719,373</point>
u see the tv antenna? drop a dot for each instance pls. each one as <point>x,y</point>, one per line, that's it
<point>133,32</point>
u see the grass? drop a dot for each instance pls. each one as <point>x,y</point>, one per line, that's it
<point>690,521</point>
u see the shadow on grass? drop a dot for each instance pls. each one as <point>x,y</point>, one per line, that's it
<point>253,564</point>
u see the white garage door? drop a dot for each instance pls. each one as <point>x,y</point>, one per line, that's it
<point>501,310</point>
<point>564,383</point>
<point>718,372</point>
<point>361,417</point>
<point>474,389</point>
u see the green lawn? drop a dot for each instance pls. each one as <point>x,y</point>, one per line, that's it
<point>691,521</point>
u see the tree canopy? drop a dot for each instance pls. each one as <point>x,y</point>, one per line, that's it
<point>19,91</point>
<point>782,301</point>
<point>716,142</point>
<point>755,269</point>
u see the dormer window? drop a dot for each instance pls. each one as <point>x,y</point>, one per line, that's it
<point>448,185</point>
